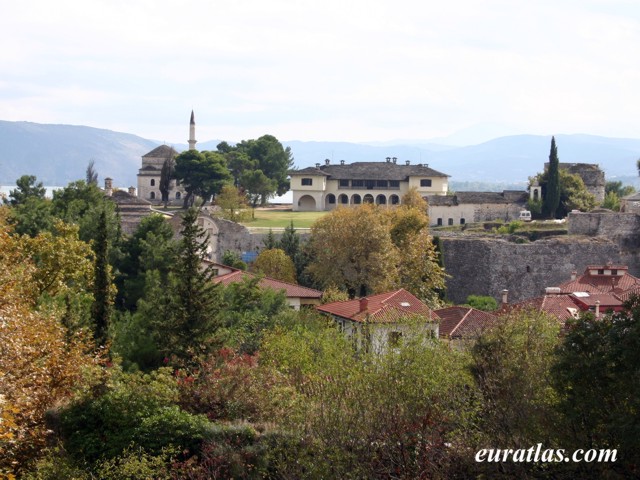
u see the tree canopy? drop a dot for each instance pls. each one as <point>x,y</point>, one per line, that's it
<point>202,174</point>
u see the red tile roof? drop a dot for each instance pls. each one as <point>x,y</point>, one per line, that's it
<point>561,306</point>
<point>389,307</point>
<point>291,289</point>
<point>463,322</point>
<point>587,282</point>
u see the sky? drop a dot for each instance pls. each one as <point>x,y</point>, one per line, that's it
<point>330,70</point>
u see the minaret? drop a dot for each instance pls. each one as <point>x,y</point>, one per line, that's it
<point>192,133</point>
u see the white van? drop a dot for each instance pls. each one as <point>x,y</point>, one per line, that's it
<point>525,216</point>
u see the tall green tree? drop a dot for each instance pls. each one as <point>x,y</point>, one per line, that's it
<point>257,186</point>
<point>552,193</point>
<point>103,291</point>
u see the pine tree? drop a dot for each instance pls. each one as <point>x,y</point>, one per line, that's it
<point>552,196</point>
<point>190,327</point>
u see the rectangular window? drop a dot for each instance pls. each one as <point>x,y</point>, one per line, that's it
<point>451,221</point>
<point>357,183</point>
<point>394,183</point>
<point>370,184</point>
<point>307,181</point>
<point>381,183</point>
<point>344,183</point>
<point>425,182</point>
<point>439,222</point>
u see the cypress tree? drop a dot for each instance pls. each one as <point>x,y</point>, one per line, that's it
<point>102,289</point>
<point>552,197</point>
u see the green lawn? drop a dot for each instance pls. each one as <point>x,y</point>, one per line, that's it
<point>272,218</point>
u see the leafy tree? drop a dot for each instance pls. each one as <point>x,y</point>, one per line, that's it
<point>257,186</point>
<point>480,302</point>
<point>202,174</point>
<point>369,249</point>
<point>64,275</point>
<point>512,365</point>
<point>552,192</point>
<point>248,312</point>
<point>232,203</point>
<point>611,201</point>
<point>276,264</point>
<point>382,416</point>
<point>413,199</point>
<point>91,174</point>
<point>41,366</point>
<point>598,364</point>
<point>31,212</point>
<point>238,162</point>
<point>83,205</point>
<point>353,249</point>
<point>272,159</point>
<point>619,189</point>
<point>233,259</point>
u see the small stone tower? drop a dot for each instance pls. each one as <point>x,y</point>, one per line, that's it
<point>192,133</point>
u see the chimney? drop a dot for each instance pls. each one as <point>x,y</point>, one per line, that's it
<point>108,186</point>
<point>388,159</point>
<point>597,308</point>
<point>317,165</point>
<point>341,162</point>
<point>364,304</point>
<point>395,159</point>
<point>327,161</point>
<point>132,191</point>
<point>408,162</point>
<point>505,297</point>
<point>574,275</point>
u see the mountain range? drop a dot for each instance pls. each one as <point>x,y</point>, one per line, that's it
<point>58,154</point>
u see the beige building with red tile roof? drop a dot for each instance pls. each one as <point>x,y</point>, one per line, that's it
<point>379,321</point>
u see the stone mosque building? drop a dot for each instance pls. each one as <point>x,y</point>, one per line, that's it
<point>149,173</point>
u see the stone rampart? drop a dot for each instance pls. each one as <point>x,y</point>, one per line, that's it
<point>486,266</point>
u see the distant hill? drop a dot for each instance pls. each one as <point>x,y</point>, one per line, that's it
<point>58,154</point>
<point>510,159</point>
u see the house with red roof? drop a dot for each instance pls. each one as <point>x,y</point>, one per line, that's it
<point>463,324</point>
<point>297,296</point>
<point>382,320</point>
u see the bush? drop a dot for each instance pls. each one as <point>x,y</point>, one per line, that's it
<point>136,409</point>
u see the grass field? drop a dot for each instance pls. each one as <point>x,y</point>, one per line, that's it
<point>281,218</point>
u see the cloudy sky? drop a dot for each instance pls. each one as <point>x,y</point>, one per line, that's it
<point>342,70</point>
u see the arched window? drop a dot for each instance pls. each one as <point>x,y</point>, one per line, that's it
<point>462,221</point>
<point>439,222</point>
<point>368,198</point>
<point>331,199</point>
<point>381,200</point>
<point>356,200</point>
<point>343,199</point>
<point>451,221</point>
<point>152,195</point>
<point>178,196</point>
<point>394,200</point>
<point>153,182</point>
